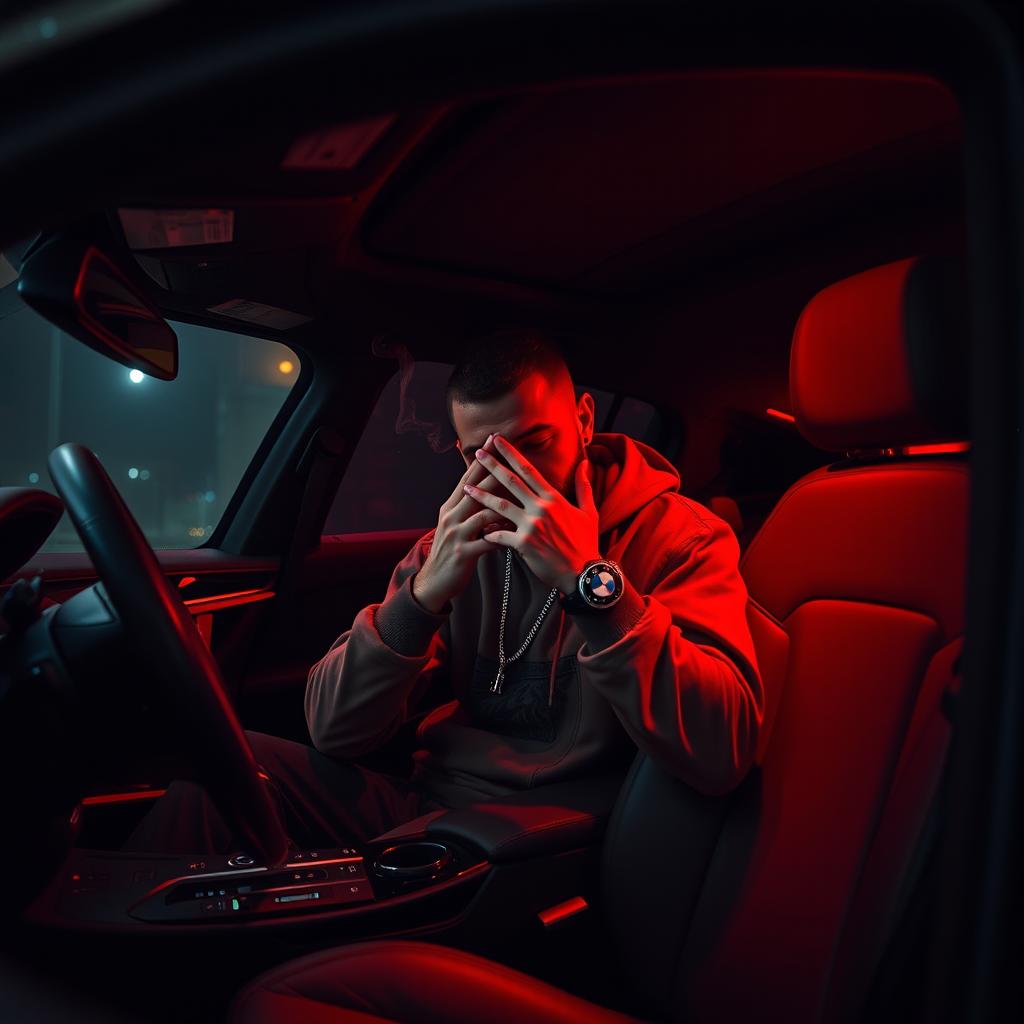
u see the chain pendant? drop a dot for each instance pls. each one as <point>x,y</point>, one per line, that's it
<point>502,659</point>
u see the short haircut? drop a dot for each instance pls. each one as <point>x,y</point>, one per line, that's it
<point>495,364</point>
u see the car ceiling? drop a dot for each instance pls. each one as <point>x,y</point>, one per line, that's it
<point>570,188</point>
<point>667,206</point>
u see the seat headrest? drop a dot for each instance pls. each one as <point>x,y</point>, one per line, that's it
<point>879,359</point>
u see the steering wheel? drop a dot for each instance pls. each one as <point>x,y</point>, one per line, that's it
<point>183,667</point>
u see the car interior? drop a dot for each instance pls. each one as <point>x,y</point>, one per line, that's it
<point>764,253</point>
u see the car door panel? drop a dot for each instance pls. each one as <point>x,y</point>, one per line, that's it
<point>342,575</point>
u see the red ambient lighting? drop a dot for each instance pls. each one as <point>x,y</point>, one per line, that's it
<point>786,417</point>
<point>936,449</point>
<point>121,798</point>
<point>561,911</point>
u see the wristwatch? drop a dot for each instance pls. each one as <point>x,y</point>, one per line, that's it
<point>598,587</point>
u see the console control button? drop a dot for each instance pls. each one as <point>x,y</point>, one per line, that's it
<point>309,875</point>
<point>354,892</point>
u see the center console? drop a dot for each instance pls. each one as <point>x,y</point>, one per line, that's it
<point>510,856</point>
<point>111,889</point>
<point>312,880</point>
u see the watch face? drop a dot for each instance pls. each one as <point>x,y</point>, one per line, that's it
<point>601,585</point>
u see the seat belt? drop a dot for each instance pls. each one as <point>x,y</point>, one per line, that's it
<point>317,464</point>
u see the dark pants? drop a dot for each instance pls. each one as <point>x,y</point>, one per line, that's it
<point>323,802</point>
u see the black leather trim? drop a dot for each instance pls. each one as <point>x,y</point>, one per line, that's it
<point>27,517</point>
<point>936,332</point>
<point>660,843</point>
<point>535,823</point>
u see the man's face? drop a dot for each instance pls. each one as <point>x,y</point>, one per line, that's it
<point>542,419</point>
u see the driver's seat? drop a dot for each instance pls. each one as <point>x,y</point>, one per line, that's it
<point>774,902</point>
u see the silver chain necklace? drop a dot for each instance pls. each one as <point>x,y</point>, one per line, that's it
<point>502,660</point>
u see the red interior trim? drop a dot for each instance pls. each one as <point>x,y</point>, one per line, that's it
<point>778,414</point>
<point>936,449</point>
<point>561,911</point>
<point>218,602</point>
<point>121,798</point>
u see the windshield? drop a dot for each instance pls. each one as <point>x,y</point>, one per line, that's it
<point>176,450</point>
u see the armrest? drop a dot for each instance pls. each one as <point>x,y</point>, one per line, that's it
<point>536,822</point>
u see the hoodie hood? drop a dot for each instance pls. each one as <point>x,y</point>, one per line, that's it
<point>627,475</point>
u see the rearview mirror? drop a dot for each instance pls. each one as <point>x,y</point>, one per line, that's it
<point>83,291</point>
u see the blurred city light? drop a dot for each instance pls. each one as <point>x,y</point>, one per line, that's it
<point>136,376</point>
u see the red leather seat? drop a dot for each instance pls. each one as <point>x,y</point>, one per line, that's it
<point>408,981</point>
<point>775,901</point>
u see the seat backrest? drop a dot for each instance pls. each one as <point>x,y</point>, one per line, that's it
<point>773,902</point>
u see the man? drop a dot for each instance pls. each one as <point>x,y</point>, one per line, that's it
<point>580,606</point>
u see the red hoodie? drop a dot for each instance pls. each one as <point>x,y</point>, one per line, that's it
<point>670,669</point>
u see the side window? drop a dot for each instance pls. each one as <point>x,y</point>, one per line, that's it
<point>636,419</point>
<point>406,463</point>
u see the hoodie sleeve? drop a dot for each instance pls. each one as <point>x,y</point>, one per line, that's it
<point>361,690</point>
<point>678,664</point>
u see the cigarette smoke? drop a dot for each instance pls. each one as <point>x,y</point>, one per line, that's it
<point>407,421</point>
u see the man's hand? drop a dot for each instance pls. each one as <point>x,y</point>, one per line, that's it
<point>554,537</point>
<point>457,543</point>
